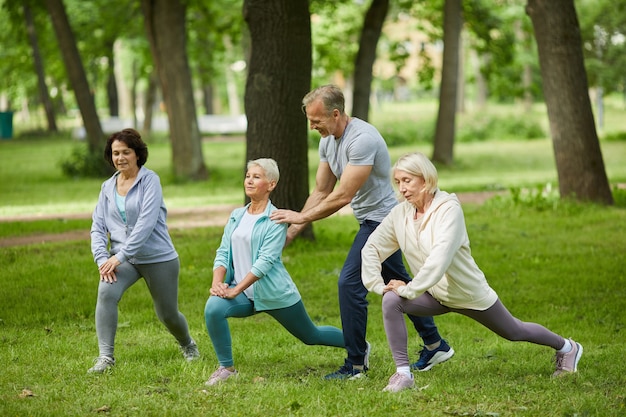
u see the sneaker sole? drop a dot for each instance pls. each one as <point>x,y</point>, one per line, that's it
<point>366,359</point>
<point>578,355</point>
<point>438,358</point>
<point>360,375</point>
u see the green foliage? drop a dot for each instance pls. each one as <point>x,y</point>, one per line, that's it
<point>602,27</point>
<point>335,31</point>
<point>560,269</point>
<point>471,127</point>
<point>615,137</point>
<point>619,196</point>
<point>499,127</point>
<point>407,132</point>
<point>83,163</point>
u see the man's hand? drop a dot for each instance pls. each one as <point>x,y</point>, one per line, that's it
<point>287,216</point>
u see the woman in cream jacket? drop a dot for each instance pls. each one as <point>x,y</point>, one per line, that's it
<point>429,228</point>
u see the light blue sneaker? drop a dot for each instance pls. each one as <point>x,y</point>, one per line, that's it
<point>430,358</point>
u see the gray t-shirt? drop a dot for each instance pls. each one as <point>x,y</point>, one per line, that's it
<point>362,144</point>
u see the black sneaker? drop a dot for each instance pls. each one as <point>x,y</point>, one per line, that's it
<point>430,358</point>
<point>347,372</point>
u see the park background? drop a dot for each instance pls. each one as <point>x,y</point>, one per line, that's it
<point>552,259</point>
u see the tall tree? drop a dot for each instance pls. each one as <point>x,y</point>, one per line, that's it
<point>372,28</point>
<point>579,162</point>
<point>93,163</point>
<point>44,94</point>
<point>446,116</point>
<point>279,76</point>
<point>165,26</point>
<point>78,80</point>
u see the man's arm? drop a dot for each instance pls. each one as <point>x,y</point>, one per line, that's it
<point>325,198</point>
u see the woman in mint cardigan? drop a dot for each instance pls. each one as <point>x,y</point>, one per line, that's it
<point>249,276</point>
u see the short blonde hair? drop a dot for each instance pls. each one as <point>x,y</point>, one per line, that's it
<point>418,164</point>
<point>268,165</point>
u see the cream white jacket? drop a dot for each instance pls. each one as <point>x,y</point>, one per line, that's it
<point>438,255</point>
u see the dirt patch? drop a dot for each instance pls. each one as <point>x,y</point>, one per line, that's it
<point>177,219</point>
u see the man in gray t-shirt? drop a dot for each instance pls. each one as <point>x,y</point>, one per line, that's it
<point>353,153</point>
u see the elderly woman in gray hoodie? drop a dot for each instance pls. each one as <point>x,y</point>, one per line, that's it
<point>429,227</point>
<point>129,241</point>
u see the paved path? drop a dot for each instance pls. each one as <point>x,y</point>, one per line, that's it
<point>207,216</point>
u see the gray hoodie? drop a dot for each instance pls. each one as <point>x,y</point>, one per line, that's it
<point>144,237</point>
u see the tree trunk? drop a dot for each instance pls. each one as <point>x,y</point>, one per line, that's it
<point>77,77</point>
<point>165,26</point>
<point>522,38</point>
<point>39,69</point>
<point>372,27</point>
<point>482,91</point>
<point>149,102</point>
<point>279,76</point>
<point>460,92</point>
<point>446,117</point>
<point>133,95</point>
<point>112,94</point>
<point>231,84</point>
<point>207,98</point>
<point>579,162</point>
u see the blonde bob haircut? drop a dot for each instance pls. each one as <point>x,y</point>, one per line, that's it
<point>269,166</point>
<point>418,164</point>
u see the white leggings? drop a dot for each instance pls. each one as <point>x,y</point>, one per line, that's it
<point>162,281</point>
<point>496,318</point>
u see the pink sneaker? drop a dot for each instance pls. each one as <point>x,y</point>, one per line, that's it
<point>399,382</point>
<point>568,362</point>
<point>222,374</point>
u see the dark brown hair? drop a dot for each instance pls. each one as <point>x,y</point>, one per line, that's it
<point>133,140</point>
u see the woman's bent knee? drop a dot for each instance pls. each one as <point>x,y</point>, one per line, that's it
<point>390,300</point>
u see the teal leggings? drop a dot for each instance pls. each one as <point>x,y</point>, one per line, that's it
<point>295,319</point>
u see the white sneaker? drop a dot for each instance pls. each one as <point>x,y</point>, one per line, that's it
<point>399,382</point>
<point>102,363</point>
<point>222,374</point>
<point>190,352</point>
<point>568,362</point>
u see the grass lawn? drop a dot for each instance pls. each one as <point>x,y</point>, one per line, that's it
<point>555,263</point>
<point>562,268</point>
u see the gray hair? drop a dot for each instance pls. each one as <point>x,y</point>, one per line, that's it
<point>268,165</point>
<point>418,164</point>
<point>331,96</point>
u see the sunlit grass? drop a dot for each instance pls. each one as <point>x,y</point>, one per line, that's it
<point>32,181</point>
<point>562,268</point>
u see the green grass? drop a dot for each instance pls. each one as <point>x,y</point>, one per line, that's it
<point>562,268</point>
<point>40,188</point>
<point>32,181</point>
<point>556,263</point>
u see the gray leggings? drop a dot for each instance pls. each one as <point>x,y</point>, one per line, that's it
<point>162,281</point>
<point>496,318</point>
